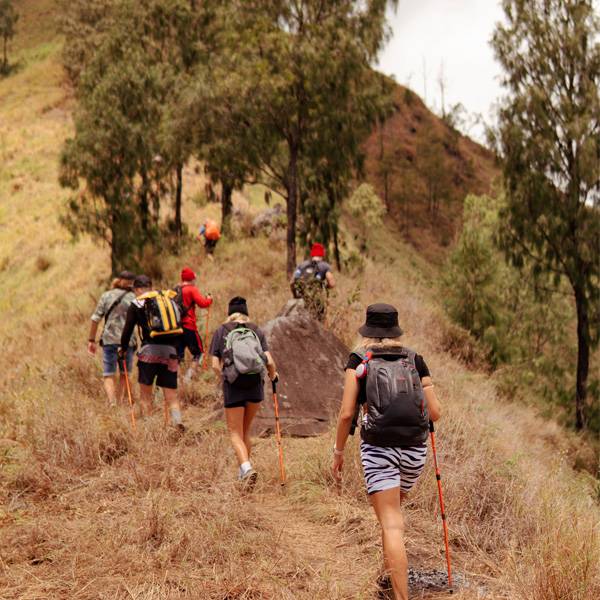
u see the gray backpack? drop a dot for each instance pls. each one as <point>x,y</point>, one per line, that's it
<point>243,353</point>
<point>397,412</point>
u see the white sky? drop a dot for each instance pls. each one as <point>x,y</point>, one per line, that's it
<point>455,33</point>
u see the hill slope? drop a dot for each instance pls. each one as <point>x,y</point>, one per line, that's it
<point>424,168</point>
<point>90,510</point>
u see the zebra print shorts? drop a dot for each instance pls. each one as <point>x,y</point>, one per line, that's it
<point>387,468</point>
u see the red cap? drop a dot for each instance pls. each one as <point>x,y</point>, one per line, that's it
<point>317,250</point>
<point>187,274</point>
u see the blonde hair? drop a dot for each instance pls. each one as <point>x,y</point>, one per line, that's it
<point>121,284</point>
<point>238,317</point>
<point>371,343</point>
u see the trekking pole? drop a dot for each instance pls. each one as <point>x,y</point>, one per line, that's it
<point>278,432</point>
<point>442,509</point>
<point>132,412</point>
<point>204,359</point>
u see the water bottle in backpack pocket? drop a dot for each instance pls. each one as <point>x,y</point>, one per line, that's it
<point>243,353</point>
<point>396,407</point>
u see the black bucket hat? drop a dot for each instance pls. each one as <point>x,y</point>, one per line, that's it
<point>237,305</point>
<point>142,281</point>
<point>382,322</point>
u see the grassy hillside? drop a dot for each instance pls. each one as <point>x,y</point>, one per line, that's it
<point>90,510</point>
<point>407,158</point>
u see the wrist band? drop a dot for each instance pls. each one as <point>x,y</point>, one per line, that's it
<point>338,452</point>
<point>91,340</point>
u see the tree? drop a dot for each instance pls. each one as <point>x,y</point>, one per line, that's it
<point>550,143</point>
<point>119,148</point>
<point>432,166</point>
<point>301,71</point>
<point>8,20</point>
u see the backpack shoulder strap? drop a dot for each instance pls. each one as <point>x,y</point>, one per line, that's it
<point>115,304</point>
<point>178,289</point>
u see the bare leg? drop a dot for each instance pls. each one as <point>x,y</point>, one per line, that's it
<point>249,413</point>
<point>145,399</point>
<point>389,514</point>
<point>235,425</point>
<point>109,388</point>
<point>172,401</point>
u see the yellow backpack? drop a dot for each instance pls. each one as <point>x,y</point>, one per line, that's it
<point>163,312</point>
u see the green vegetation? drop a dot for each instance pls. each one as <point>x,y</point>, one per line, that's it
<point>550,143</point>
<point>523,329</point>
<point>251,88</point>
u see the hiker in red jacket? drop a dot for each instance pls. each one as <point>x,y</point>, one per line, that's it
<point>191,297</point>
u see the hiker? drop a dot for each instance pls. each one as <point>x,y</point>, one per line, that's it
<point>112,307</point>
<point>311,281</point>
<point>394,426</point>
<point>190,297</point>
<point>209,231</point>
<point>157,357</point>
<point>239,355</point>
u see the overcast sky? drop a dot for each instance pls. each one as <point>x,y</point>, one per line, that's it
<point>455,33</point>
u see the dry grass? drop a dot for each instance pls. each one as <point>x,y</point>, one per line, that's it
<point>90,510</point>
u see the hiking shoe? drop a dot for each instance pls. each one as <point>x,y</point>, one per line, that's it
<point>180,428</point>
<point>248,480</point>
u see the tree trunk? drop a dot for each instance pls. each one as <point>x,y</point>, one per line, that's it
<point>583,357</point>
<point>178,195</point>
<point>292,203</point>
<point>5,56</point>
<point>226,206</point>
<point>336,248</point>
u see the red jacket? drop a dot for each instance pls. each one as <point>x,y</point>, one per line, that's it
<point>192,298</point>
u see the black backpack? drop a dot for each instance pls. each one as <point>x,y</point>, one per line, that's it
<point>397,412</point>
<point>308,271</point>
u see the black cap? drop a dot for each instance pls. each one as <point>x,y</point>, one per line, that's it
<point>142,281</point>
<point>128,275</point>
<point>237,305</point>
<point>382,322</point>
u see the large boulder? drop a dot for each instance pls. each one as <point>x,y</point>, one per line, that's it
<point>310,361</point>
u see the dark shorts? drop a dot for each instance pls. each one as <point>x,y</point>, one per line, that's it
<point>190,339</point>
<point>246,388</point>
<point>158,361</point>
<point>164,377</point>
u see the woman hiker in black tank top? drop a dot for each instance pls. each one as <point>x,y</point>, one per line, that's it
<point>390,469</point>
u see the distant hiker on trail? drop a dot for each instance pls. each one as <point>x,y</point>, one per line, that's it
<point>190,339</point>
<point>240,355</point>
<point>210,233</point>
<point>112,307</point>
<point>311,280</point>
<point>394,426</point>
<point>157,357</point>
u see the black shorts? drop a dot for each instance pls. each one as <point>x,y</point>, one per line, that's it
<point>189,339</point>
<point>241,403</point>
<point>246,388</point>
<point>165,378</point>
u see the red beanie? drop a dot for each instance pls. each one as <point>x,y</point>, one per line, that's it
<point>187,274</point>
<point>317,250</point>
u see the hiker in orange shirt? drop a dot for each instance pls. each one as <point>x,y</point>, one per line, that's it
<point>211,234</point>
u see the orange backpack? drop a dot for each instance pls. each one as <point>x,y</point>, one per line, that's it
<point>211,231</point>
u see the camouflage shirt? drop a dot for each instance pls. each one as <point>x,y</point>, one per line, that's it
<point>116,320</point>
